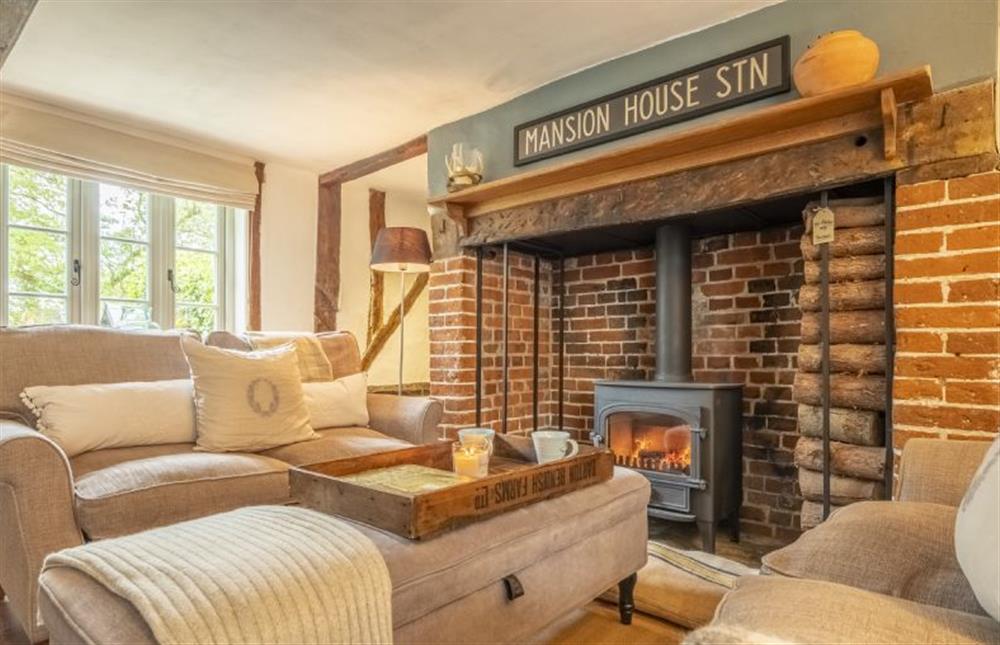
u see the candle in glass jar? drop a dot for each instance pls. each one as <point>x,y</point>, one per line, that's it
<point>470,461</point>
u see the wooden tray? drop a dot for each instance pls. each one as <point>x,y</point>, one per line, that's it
<point>515,480</point>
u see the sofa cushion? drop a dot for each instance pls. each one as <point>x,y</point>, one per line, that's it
<point>76,354</point>
<point>335,443</point>
<point>81,418</point>
<point>88,462</point>
<point>812,611</point>
<point>902,549</point>
<point>140,494</point>
<point>247,401</point>
<point>340,347</point>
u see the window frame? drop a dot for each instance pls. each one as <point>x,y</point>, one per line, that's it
<point>84,245</point>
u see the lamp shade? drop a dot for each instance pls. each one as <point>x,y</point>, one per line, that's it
<point>401,249</point>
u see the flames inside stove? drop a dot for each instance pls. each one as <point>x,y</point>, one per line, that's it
<point>650,441</point>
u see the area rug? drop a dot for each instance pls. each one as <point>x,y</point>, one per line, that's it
<point>683,587</point>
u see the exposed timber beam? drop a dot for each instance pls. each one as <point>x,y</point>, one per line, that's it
<point>254,321</point>
<point>389,328</point>
<point>327,290</point>
<point>376,222</point>
<point>376,162</point>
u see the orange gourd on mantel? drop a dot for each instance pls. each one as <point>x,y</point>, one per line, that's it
<point>834,61</point>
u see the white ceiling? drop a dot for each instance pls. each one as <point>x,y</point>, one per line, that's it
<point>321,84</point>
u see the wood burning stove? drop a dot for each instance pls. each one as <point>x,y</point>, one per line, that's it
<point>685,437</point>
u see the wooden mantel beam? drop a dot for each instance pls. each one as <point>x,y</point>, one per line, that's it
<point>777,127</point>
<point>953,130</point>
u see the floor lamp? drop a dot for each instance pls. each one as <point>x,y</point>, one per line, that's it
<point>402,250</point>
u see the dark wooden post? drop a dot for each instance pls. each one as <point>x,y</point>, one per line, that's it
<point>327,292</point>
<point>254,313</point>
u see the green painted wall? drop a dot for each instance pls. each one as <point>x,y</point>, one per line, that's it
<point>957,38</point>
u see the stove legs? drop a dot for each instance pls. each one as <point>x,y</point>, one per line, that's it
<point>734,527</point>
<point>626,600</point>
<point>707,532</point>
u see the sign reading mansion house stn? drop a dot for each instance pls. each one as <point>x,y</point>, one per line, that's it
<point>726,82</point>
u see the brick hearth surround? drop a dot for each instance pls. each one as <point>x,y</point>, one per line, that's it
<point>746,329</point>
<point>947,270</point>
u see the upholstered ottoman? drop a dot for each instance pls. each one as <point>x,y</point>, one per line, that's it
<point>462,586</point>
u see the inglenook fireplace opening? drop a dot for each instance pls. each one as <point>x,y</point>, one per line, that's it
<point>674,344</point>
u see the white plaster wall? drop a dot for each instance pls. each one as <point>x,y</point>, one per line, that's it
<point>288,248</point>
<point>405,205</point>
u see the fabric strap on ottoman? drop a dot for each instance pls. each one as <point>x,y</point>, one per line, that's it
<point>257,574</point>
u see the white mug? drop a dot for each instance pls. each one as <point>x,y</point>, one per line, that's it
<point>477,436</point>
<point>552,445</point>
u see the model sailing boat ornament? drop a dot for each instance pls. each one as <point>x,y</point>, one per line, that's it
<point>465,167</point>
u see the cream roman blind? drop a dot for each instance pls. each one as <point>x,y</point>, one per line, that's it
<point>45,137</point>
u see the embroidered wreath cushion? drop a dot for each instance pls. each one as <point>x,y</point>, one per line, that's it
<point>247,401</point>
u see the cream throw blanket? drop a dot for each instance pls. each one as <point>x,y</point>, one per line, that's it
<point>262,574</point>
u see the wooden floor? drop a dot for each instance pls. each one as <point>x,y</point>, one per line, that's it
<point>598,623</point>
<point>595,623</point>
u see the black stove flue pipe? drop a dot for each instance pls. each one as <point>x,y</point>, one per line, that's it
<point>673,303</point>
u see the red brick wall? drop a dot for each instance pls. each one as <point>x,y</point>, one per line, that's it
<point>452,310</point>
<point>947,271</point>
<point>610,305</point>
<point>453,348</point>
<point>746,330</point>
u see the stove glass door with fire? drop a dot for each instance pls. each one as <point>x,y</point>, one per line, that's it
<point>665,442</point>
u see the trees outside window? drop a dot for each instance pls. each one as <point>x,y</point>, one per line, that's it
<point>37,247</point>
<point>81,251</point>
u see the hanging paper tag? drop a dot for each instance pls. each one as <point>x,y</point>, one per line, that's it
<point>823,226</point>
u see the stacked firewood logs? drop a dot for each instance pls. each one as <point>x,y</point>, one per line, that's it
<point>857,360</point>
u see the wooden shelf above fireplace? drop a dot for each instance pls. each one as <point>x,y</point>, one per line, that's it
<point>807,120</point>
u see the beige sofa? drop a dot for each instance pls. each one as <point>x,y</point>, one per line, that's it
<point>49,502</point>
<point>874,572</point>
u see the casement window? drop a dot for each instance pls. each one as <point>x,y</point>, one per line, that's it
<point>75,251</point>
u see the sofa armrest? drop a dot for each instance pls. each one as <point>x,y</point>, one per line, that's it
<point>410,418</point>
<point>36,504</point>
<point>938,471</point>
